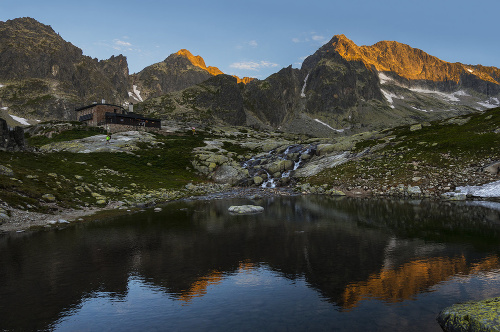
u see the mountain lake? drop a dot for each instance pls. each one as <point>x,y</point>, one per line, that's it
<point>307,263</point>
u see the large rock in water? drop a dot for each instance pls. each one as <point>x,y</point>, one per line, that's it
<point>471,316</point>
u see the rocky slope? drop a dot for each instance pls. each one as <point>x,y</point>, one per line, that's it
<point>343,88</point>
<point>44,77</point>
<point>177,72</point>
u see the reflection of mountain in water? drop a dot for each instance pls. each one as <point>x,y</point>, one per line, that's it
<point>346,249</point>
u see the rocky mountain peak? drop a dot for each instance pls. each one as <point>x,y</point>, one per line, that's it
<point>198,61</point>
<point>408,62</point>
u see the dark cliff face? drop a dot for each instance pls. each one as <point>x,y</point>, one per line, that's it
<point>336,85</point>
<point>276,98</point>
<point>223,99</point>
<point>11,139</point>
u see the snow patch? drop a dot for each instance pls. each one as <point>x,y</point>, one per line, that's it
<point>136,94</point>
<point>22,121</point>
<point>490,103</point>
<point>461,93</point>
<point>324,124</point>
<point>4,108</point>
<point>1,85</point>
<point>445,96</point>
<point>491,189</point>
<point>421,110</point>
<point>302,92</point>
<point>384,78</point>
<point>389,95</point>
<point>470,70</point>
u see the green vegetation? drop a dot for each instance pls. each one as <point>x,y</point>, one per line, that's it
<point>79,179</point>
<point>448,150</point>
<point>66,135</point>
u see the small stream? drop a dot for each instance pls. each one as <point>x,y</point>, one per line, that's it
<point>277,166</point>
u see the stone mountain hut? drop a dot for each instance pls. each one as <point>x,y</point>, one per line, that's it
<point>110,115</point>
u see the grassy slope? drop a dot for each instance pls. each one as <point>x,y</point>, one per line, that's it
<point>444,152</point>
<point>166,165</point>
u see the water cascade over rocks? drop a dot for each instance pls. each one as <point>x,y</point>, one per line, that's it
<point>275,168</point>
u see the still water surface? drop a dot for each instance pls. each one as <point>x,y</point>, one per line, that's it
<point>307,263</point>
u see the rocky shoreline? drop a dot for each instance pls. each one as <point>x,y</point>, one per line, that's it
<point>21,220</point>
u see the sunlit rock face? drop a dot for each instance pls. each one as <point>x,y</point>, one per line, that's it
<point>178,71</point>
<point>408,62</point>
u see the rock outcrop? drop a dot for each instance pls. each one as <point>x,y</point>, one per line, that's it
<point>245,209</point>
<point>11,139</point>
<point>471,316</point>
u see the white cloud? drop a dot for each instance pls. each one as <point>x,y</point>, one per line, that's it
<point>118,42</point>
<point>251,43</point>
<point>318,38</point>
<point>309,37</point>
<point>253,65</point>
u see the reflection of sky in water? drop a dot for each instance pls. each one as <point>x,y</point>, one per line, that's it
<point>256,298</point>
<point>305,262</point>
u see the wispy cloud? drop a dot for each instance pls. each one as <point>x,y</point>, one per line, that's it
<point>121,45</point>
<point>118,42</point>
<point>251,43</point>
<point>309,37</point>
<point>253,65</point>
<point>318,38</point>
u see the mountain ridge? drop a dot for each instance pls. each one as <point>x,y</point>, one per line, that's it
<point>340,88</point>
<point>409,62</point>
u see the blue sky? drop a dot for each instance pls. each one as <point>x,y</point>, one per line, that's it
<point>257,38</point>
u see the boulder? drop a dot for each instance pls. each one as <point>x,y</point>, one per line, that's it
<point>493,169</point>
<point>257,180</point>
<point>416,127</point>
<point>414,191</point>
<point>471,316</point>
<point>452,196</point>
<point>323,149</point>
<point>49,198</point>
<point>335,192</point>
<point>245,209</point>
<point>3,217</point>
<point>4,170</point>
<point>314,167</point>
<point>228,174</point>
<point>279,166</point>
